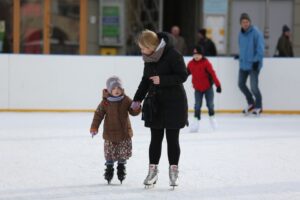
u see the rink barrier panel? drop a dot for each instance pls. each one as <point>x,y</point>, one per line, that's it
<point>54,83</point>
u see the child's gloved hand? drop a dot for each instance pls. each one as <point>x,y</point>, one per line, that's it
<point>93,132</point>
<point>135,105</point>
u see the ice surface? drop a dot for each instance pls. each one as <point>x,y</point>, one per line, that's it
<point>52,156</point>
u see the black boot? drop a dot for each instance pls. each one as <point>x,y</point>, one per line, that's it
<point>109,173</point>
<point>121,171</point>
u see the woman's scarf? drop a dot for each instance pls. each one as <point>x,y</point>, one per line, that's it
<point>156,54</point>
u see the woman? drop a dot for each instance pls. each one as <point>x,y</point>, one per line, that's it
<point>165,106</point>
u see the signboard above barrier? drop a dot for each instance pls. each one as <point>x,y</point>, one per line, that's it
<point>111,23</point>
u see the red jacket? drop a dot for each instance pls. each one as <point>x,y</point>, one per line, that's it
<point>202,71</point>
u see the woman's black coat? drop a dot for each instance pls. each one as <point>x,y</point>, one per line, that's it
<point>171,100</point>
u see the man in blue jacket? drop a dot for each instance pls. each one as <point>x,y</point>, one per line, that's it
<point>251,52</point>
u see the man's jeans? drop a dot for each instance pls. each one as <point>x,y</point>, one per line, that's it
<point>243,76</point>
<point>209,97</point>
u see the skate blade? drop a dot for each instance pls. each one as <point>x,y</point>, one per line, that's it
<point>173,187</point>
<point>147,186</point>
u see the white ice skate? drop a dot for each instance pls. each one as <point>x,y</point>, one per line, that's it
<point>194,125</point>
<point>152,176</point>
<point>248,109</point>
<point>213,122</point>
<point>173,175</point>
<point>257,112</point>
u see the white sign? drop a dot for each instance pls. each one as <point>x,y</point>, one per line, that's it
<point>215,26</point>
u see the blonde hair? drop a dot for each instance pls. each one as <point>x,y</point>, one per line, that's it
<point>148,39</point>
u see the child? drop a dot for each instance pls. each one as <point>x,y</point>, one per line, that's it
<point>203,77</point>
<point>117,131</point>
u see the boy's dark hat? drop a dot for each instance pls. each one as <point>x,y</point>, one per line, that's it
<point>198,50</point>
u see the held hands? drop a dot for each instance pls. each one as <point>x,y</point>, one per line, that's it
<point>93,132</point>
<point>135,105</point>
<point>255,65</point>
<point>155,79</point>
<point>219,89</point>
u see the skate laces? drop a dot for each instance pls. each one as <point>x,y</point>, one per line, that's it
<point>152,171</point>
<point>173,171</point>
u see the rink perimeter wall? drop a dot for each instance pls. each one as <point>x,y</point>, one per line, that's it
<point>74,83</point>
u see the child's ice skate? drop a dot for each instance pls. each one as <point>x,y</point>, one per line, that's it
<point>194,125</point>
<point>152,176</point>
<point>121,172</point>
<point>213,122</point>
<point>173,175</point>
<point>109,173</point>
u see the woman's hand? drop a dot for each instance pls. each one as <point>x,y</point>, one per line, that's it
<point>155,79</point>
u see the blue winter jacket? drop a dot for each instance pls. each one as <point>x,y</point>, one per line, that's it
<point>251,46</point>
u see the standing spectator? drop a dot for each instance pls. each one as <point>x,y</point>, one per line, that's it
<point>206,44</point>
<point>284,44</point>
<point>251,52</point>
<point>179,41</point>
<point>203,77</point>
<point>165,106</point>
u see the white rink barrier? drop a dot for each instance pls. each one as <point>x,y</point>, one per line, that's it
<point>75,83</point>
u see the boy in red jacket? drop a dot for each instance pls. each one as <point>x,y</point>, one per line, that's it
<point>203,77</point>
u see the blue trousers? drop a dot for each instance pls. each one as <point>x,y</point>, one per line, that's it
<point>209,97</point>
<point>243,76</point>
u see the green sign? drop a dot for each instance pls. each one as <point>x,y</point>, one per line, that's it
<point>111,22</point>
<point>2,32</point>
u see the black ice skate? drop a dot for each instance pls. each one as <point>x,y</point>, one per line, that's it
<point>121,172</point>
<point>257,112</point>
<point>109,173</point>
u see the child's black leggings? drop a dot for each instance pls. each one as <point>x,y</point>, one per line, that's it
<point>157,136</point>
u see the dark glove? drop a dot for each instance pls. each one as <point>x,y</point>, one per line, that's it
<point>219,89</point>
<point>236,57</point>
<point>255,65</point>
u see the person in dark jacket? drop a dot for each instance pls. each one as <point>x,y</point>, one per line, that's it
<point>179,44</point>
<point>165,102</point>
<point>203,77</point>
<point>284,45</point>
<point>208,46</point>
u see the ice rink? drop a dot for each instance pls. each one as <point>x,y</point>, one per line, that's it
<point>47,156</point>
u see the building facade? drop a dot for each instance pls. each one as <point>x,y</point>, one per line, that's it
<point>96,27</point>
